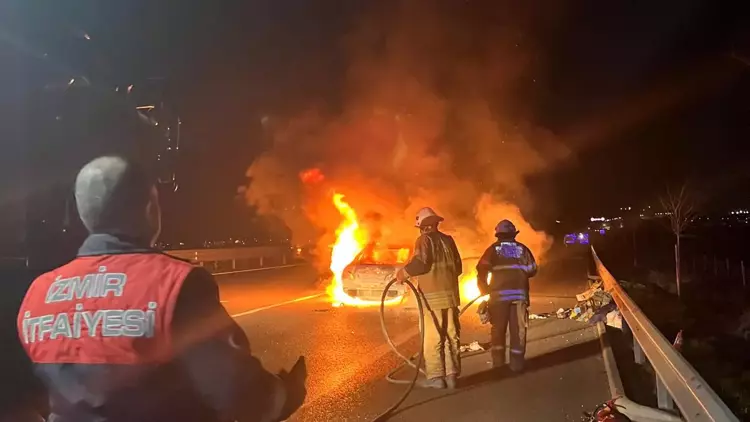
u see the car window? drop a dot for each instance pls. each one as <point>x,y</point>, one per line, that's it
<point>383,256</point>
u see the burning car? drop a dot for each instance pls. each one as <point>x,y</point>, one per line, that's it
<point>365,278</point>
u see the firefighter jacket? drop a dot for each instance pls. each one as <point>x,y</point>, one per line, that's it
<point>511,265</point>
<point>126,333</point>
<point>437,265</point>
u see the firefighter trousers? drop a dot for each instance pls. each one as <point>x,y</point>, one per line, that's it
<point>513,314</point>
<point>441,343</point>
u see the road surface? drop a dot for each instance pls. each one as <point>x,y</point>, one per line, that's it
<point>285,316</point>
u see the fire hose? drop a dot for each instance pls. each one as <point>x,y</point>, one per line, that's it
<point>418,358</point>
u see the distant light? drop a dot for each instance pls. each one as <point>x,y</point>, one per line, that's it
<point>557,221</point>
<point>580,236</point>
<point>597,218</point>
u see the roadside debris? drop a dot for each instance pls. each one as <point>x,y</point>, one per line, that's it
<point>605,412</point>
<point>474,346</point>
<point>594,305</point>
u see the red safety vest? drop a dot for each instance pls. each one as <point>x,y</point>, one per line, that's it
<point>106,309</point>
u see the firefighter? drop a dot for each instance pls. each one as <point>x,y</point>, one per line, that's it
<point>436,264</point>
<point>511,264</point>
<point>124,333</point>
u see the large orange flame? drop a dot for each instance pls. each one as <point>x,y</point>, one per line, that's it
<point>350,240</point>
<point>468,288</point>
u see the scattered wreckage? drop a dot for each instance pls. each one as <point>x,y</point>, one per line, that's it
<point>593,305</point>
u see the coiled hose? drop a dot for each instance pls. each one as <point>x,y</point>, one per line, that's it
<point>418,358</point>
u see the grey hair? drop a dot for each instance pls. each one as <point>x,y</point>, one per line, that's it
<point>112,194</point>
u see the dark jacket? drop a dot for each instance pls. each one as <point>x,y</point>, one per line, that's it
<point>209,376</point>
<point>436,264</point>
<point>511,264</point>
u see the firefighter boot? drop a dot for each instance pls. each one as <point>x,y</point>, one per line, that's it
<point>516,362</point>
<point>498,357</point>
<point>437,383</point>
<point>451,382</point>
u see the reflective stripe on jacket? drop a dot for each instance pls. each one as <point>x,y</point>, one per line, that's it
<point>437,264</point>
<point>511,264</point>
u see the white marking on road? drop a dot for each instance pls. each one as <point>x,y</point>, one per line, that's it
<point>288,302</point>
<point>258,269</point>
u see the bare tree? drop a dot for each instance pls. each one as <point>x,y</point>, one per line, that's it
<point>680,207</point>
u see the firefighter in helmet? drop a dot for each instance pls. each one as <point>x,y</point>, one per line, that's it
<point>511,264</point>
<point>436,264</point>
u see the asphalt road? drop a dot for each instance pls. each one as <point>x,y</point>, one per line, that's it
<point>285,316</point>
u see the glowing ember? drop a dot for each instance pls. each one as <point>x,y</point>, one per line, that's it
<point>350,240</point>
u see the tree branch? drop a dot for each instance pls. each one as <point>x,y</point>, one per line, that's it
<point>680,208</point>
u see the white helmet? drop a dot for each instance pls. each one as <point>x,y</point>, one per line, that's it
<point>427,216</point>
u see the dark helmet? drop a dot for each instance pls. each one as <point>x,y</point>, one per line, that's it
<point>505,229</point>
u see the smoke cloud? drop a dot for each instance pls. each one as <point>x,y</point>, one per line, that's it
<point>432,116</point>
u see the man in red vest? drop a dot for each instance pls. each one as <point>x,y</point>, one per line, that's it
<point>124,333</point>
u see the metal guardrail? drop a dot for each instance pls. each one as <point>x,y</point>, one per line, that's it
<point>260,255</point>
<point>677,382</point>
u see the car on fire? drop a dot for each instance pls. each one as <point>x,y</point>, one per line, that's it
<point>366,277</point>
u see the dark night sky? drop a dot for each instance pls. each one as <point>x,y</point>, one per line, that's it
<point>644,92</point>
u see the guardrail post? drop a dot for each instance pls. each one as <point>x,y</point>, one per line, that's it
<point>283,259</point>
<point>261,262</point>
<point>638,355</point>
<point>663,399</point>
<point>234,264</point>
